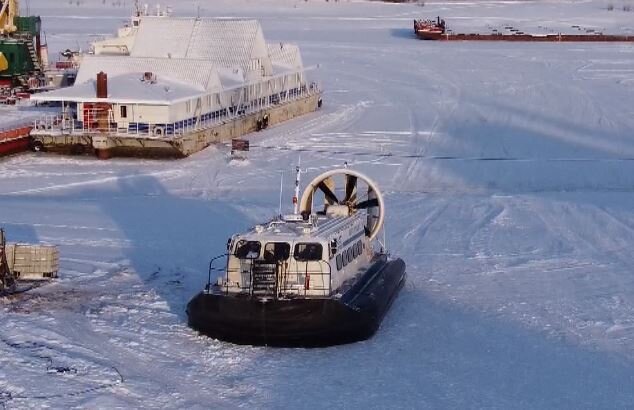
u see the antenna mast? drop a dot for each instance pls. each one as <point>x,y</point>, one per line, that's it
<point>298,173</point>
<point>281,191</point>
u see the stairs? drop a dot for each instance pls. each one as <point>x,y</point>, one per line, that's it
<point>34,57</point>
<point>264,282</point>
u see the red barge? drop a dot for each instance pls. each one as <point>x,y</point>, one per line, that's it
<point>437,30</point>
<point>15,140</point>
<point>429,29</point>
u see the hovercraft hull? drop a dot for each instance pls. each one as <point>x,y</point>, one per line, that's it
<point>301,322</point>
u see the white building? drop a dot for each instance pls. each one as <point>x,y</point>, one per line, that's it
<point>166,76</point>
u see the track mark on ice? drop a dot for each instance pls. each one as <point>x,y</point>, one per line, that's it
<point>165,175</point>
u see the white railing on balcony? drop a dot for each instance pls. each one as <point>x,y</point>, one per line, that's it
<point>93,121</point>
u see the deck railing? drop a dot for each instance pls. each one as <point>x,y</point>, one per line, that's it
<point>284,287</point>
<point>93,121</point>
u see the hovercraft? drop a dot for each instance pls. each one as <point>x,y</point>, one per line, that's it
<point>309,279</point>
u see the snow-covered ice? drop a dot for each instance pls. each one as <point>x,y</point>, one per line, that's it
<point>12,116</point>
<point>508,171</point>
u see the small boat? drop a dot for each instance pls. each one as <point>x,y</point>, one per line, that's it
<point>317,277</point>
<point>429,29</point>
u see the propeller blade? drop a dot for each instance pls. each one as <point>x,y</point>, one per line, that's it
<point>351,185</point>
<point>330,196</point>
<point>369,203</point>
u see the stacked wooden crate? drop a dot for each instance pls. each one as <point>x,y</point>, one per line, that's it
<point>33,262</point>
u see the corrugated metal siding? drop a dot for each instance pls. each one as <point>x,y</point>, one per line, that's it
<point>284,54</point>
<point>226,43</point>
<point>160,37</point>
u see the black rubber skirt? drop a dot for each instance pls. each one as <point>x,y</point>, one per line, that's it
<point>301,322</point>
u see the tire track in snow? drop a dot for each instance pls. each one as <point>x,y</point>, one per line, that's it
<point>295,139</point>
<point>165,175</point>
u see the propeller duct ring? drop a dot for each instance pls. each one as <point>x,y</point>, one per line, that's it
<point>320,183</point>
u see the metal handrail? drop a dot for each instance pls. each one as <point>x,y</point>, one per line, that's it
<point>212,269</point>
<point>321,263</point>
<point>321,272</point>
<point>64,123</point>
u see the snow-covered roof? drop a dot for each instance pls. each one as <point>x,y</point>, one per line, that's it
<point>231,77</point>
<point>226,43</point>
<point>128,88</point>
<point>114,46</point>
<point>203,54</point>
<point>285,56</point>
<point>197,73</point>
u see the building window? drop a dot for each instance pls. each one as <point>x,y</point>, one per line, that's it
<point>124,111</point>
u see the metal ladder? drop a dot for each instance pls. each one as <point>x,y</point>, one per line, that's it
<point>34,57</point>
<point>264,279</point>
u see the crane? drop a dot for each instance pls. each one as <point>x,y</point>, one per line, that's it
<point>8,11</point>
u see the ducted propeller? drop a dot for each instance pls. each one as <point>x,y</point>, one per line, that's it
<point>352,183</point>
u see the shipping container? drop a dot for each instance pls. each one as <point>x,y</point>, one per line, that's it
<point>28,24</point>
<point>17,54</point>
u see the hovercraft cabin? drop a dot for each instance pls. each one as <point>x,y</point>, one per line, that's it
<point>175,86</point>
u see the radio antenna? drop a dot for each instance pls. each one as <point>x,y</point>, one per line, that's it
<point>281,191</point>
<point>298,173</point>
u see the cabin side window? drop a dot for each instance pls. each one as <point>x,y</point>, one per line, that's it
<point>247,249</point>
<point>339,262</point>
<point>333,247</point>
<point>308,252</point>
<point>276,251</point>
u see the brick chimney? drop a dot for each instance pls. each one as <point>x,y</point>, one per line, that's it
<point>102,85</point>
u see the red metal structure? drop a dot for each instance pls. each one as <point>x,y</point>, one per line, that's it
<point>436,30</point>
<point>14,139</point>
<point>429,29</point>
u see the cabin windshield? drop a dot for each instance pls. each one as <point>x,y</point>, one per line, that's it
<point>308,252</point>
<point>247,249</point>
<point>276,251</point>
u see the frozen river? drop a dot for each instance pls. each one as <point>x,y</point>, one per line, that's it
<point>508,171</point>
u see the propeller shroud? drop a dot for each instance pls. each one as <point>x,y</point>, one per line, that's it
<point>325,183</point>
